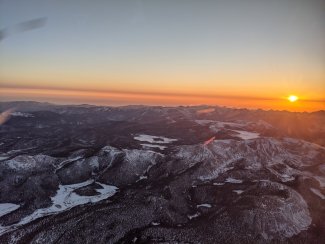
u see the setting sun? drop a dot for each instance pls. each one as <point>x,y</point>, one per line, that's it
<point>292,98</point>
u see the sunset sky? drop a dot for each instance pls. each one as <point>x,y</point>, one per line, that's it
<point>244,53</point>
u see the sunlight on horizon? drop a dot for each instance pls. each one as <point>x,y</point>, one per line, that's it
<point>122,98</point>
<point>232,53</point>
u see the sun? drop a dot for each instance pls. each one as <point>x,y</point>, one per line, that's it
<point>292,98</point>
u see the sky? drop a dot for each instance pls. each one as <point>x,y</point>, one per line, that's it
<point>236,53</point>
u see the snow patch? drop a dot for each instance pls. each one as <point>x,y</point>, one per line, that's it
<point>142,177</point>
<point>20,114</point>
<point>153,146</point>
<point>238,191</point>
<point>205,205</point>
<point>234,181</point>
<point>193,216</point>
<point>6,208</point>
<point>318,193</point>
<point>65,199</point>
<point>286,178</point>
<point>154,139</point>
<point>3,158</point>
<point>321,181</point>
<point>218,184</point>
<point>246,135</point>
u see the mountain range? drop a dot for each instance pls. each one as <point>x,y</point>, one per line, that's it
<point>154,174</point>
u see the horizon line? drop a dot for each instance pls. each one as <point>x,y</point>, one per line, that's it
<point>151,94</point>
<point>164,106</point>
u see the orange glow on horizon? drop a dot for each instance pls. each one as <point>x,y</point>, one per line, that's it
<point>120,98</point>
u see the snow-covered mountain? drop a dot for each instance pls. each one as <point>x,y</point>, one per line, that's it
<point>137,174</point>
